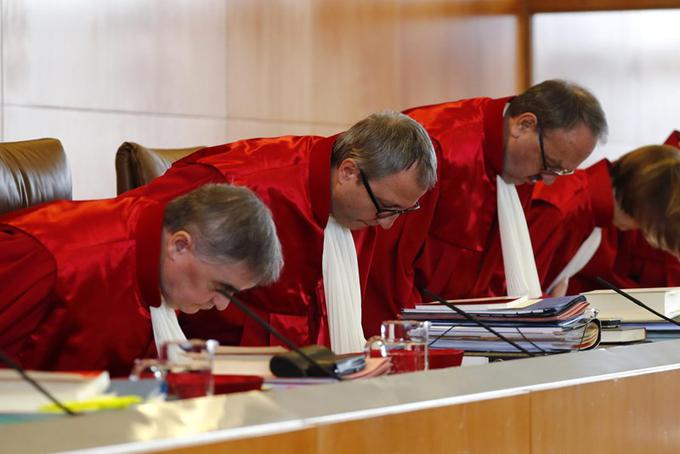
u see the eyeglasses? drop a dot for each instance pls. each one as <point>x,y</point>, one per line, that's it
<point>381,212</point>
<point>550,170</point>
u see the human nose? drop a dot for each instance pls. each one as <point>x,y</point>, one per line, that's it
<point>221,302</point>
<point>386,223</point>
<point>549,179</point>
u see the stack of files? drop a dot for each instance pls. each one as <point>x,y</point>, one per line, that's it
<point>550,325</point>
<point>665,300</point>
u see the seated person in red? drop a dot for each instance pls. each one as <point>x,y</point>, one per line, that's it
<point>472,224</point>
<point>327,196</point>
<point>619,221</point>
<point>94,285</point>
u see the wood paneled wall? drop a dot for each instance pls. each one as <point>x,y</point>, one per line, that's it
<point>175,73</point>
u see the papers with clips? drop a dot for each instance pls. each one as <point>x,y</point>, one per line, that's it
<point>549,325</point>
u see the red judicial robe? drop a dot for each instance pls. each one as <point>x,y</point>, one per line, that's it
<point>77,282</point>
<point>564,214</point>
<point>292,176</point>
<point>452,244</point>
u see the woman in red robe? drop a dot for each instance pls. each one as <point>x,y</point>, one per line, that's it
<point>635,201</point>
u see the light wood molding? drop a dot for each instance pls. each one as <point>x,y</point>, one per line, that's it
<point>553,6</point>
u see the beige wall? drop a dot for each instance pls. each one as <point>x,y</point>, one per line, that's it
<point>173,73</point>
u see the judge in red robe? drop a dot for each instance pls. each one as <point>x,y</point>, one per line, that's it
<point>80,279</point>
<point>563,216</point>
<point>295,177</point>
<point>452,245</point>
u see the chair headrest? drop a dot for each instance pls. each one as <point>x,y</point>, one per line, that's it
<point>33,172</point>
<point>137,165</point>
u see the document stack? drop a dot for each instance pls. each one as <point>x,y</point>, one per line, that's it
<point>550,325</point>
<point>628,318</point>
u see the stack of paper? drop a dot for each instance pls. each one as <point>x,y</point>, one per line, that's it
<point>549,325</point>
<point>245,360</point>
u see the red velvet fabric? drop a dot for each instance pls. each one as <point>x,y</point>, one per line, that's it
<point>562,216</point>
<point>82,301</point>
<point>627,260</point>
<point>452,244</point>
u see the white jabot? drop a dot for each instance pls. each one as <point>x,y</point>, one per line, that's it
<point>518,256</point>
<point>581,258</point>
<point>165,325</point>
<point>342,289</point>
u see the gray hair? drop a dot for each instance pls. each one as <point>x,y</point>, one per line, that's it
<point>229,224</point>
<point>386,143</point>
<point>560,104</point>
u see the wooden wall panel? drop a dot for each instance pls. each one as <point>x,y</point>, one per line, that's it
<point>631,415</point>
<point>220,70</point>
<point>355,54</point>
<point>446,57</point>
<point>333,62</point>
<point>298,442</point>
<point>268,60</point>
<point>240,129</point>
<point>151,56</point>
<point>498,425</point>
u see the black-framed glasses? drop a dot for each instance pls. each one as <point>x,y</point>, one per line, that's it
<point>550,170</point>
<point>382,212</point>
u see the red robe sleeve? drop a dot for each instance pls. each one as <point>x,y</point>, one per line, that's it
<point>27,275</point>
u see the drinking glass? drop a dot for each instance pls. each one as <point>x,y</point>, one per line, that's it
<point>185,366</point>
<point>404,342</point>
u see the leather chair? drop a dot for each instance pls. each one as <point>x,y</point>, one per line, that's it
<point>137,165</point>
<point>33,172</point>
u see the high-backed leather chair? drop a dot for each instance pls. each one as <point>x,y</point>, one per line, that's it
<point>33,172</point>
<point>137,165</point>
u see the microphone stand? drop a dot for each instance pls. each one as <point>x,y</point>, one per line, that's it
<point>230,294</point>
<point>633,299</point>
<point>475,320</point>
<point>9,362</point>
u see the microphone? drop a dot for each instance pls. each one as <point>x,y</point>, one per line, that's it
<point>11,364</point>
<point>475,320</point>
<point>633,299</point>
<point>229,292</point>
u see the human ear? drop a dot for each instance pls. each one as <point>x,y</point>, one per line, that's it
<point>527,121</point>
<point>348,171</point>
<point>179,243</point>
